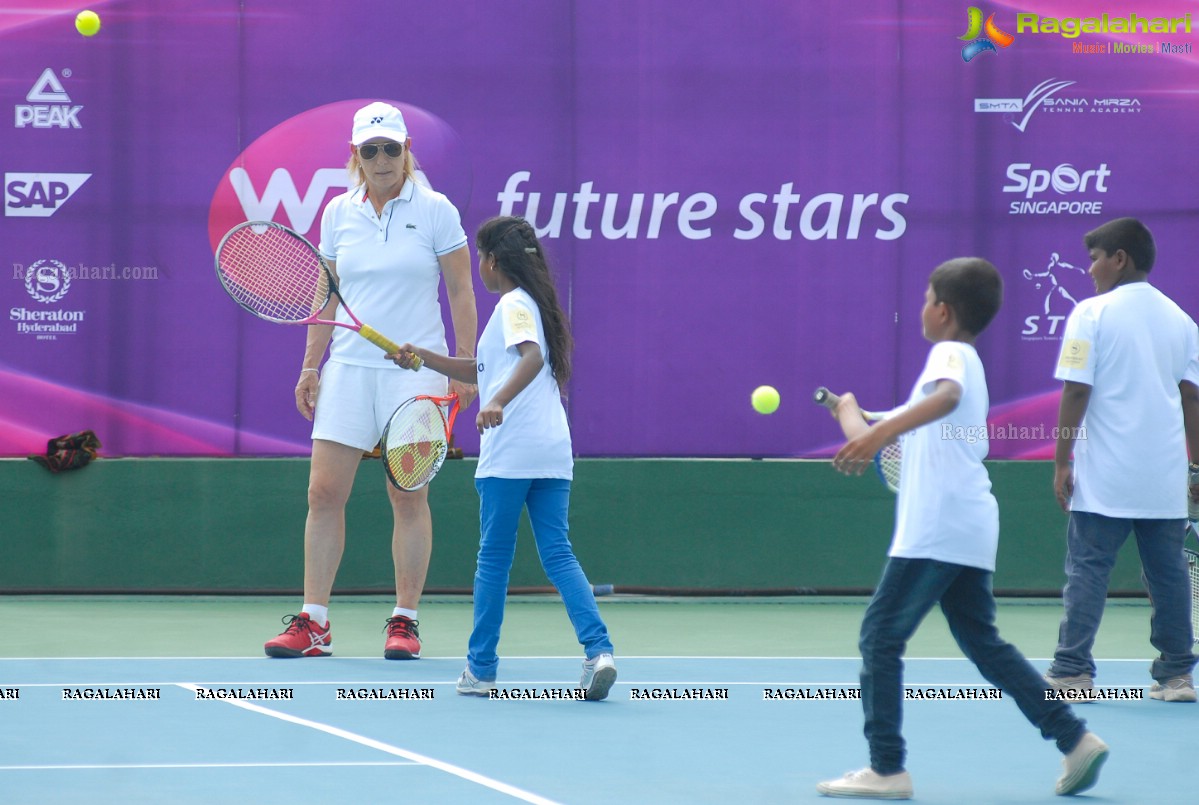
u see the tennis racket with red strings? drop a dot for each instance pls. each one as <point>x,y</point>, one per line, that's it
<point>277,275</point>
<point>417,439</point>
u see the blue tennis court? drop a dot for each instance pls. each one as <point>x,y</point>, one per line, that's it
<point>753,728</point>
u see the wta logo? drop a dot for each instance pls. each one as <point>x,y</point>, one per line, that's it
<point>992,35</point>
<point>291,172</point>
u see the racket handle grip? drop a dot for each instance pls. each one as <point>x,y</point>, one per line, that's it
<point>386,344</point>
<point>823,396</point>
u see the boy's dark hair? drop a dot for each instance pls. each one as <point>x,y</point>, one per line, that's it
<point>1128,234</point>
<point>518,254</point>
<point>972,288</point>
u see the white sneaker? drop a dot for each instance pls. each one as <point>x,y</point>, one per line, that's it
<point>1080,768</point>
<point>1178,689</point>
<point>471,685</point>
<point>868,784</point>
<point>599,674</point>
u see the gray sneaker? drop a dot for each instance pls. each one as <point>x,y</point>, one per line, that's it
<point>471,685</point>
<point>1178,689</point>
<point>1073,689</point>
<point>599,674</point>
<point>1080,768</point>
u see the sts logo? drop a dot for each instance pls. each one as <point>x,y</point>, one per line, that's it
<point>39,195</point>
<point>1052,285</point>
<point>290,172</point>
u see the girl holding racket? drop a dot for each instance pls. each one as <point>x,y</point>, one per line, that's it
<point>525,457</point>
<point>390,241</point>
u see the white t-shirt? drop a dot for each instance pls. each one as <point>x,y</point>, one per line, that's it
<point>387,268</point>
<point>945,509</point>
<point>534,439</point>
<point>1133,346</point>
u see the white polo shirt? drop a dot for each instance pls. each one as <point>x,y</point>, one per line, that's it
<point>534,439</point>
<point>945,509</point>
<point>1133,346</point>
<point>388,269</point>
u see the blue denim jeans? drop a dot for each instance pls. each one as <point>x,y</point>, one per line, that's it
<point>907,592</point>
<point>501,501</point>
<point>1092,542</point>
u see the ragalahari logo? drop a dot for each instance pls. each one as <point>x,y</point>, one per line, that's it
<point>993,35</point>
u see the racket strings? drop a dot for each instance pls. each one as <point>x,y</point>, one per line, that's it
<point>890,460</point>
<point>1193,573</point>
<point>414,444</point>
<point>272,274</point>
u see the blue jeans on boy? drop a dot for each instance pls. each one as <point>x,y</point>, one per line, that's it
<point>907,592</point>
<point>1092,542</point>
<point>501,501</point>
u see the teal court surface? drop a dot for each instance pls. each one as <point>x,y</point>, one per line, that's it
<point>170,700</point>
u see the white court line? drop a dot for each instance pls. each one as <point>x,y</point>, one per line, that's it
<point>108,766</point>
<point>440,765</point>
<point>854,658</point>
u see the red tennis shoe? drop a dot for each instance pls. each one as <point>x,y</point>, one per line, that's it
<point>403,640</point>
<point>303,637</point>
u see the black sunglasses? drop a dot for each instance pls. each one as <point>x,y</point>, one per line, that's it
<point>371,150</point>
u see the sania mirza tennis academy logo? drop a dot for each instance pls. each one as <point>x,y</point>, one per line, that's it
<point>992,35</point>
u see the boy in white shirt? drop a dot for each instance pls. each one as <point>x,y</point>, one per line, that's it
<point>946,535</point>
<point>1130,364</point>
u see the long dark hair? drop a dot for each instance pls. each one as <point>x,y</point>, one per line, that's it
<point>519,255</point>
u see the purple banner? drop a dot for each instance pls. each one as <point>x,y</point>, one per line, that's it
<point>731,197</point>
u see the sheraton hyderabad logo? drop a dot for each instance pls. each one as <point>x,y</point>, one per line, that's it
<point>992,37</point>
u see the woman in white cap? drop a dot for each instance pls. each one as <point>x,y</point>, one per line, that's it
<point>390,240</point>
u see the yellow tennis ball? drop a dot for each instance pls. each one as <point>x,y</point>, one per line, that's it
<point>765,399</point>
<point>87,23</point>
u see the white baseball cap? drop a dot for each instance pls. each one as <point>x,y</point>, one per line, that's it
<point>378,120</point>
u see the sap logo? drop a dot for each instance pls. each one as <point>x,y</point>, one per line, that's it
<point>49,105</point>
<point>1063,179</point>
<point>281,190</point>
<point>39,195</point>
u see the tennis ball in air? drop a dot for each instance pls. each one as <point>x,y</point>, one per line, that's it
<point>765,399</point>
<point>87,23</point>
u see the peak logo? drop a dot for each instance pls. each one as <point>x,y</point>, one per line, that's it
<point>39,195</point>
<point>289,173</point>
<point>49,105</point>
<point>992,35</point>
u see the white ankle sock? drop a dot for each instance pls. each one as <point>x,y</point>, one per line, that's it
<point>410,614</point>
<point>318,613</point>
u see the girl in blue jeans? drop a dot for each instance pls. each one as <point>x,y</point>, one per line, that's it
<point>525,456</point>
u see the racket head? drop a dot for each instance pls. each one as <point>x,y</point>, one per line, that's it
<point>889,462</point>
<point>1192,557</point>
<point>273,272</point>
<point>416,440</point>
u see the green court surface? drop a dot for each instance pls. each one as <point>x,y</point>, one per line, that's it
<point>726,741</point>
<point>202,626</point>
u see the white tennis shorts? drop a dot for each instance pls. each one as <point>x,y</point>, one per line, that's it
<point>354,403</point>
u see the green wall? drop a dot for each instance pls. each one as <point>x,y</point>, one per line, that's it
<point>236,525</point>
